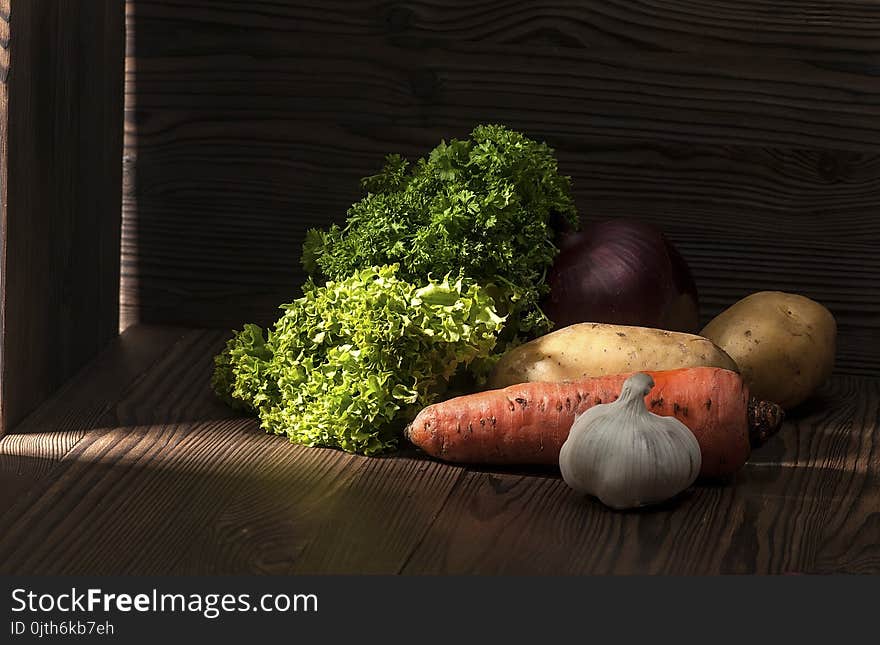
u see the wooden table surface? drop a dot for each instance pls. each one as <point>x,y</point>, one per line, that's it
<point>134,468</point>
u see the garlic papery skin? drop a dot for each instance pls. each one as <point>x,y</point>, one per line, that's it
<point>627,456</point>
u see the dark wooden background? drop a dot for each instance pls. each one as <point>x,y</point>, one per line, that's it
<point>749,132</point>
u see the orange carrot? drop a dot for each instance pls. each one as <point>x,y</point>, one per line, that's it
<point>528,423</point>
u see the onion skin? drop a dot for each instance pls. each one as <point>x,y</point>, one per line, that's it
<point>622,272</point>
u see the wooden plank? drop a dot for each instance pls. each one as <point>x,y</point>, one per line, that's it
<point>214,494</point>
<point>805,503</point>
<point>624,94</point>
<point>4,183</point>
<point>72,467</point>
<point>60,217</point>
<point>46,435</point>
<point>4,190</point>
<point>792,28</point>
<point>363,515</point>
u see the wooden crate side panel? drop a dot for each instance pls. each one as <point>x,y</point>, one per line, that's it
<point>63,182</point>
<point>4,171</point>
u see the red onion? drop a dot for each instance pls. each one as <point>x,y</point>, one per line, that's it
<point>622,272</point>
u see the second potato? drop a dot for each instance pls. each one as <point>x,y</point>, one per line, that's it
<point>784,344</point>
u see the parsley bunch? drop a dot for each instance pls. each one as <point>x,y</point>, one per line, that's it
<point>483,208</point>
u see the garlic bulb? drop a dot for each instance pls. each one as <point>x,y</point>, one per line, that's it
<point>627,456</point>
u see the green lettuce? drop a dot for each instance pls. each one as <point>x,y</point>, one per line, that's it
<point>351,361</point>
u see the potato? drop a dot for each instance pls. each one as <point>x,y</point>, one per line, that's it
<point>597,349</point>
<point>783,343</point>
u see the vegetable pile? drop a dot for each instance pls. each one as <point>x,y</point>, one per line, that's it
<point>437,267</point>
<point>437,284</point>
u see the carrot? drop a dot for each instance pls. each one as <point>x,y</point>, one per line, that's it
<point>528,423</point>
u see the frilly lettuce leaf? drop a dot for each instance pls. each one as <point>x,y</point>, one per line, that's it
<point>351,361</point>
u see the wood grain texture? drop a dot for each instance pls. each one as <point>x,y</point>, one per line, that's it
<point>749,135</point>
<point>45,436</point>
<point>167,482</point>
<point>4,180</point>
<point>60,215</point>
<point>812,29</point>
